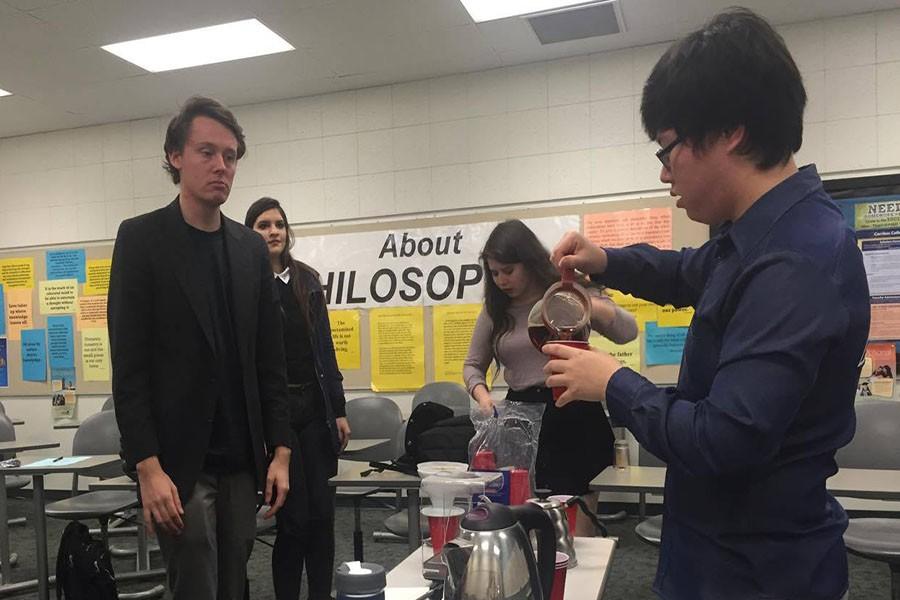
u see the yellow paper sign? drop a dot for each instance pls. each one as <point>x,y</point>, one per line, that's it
<point>91,312</point>
<point>642,310</point>
<point>884,214</point>
<point>19,312</point>
<point>669,316</point>
<point>345,334</point>
<point>397,347</point>
<point>629,353</point>
<point>97,276</point>
<point>95,354</point>
<point>58,297</point>
<point>452,327</point>
<point>17,273</point>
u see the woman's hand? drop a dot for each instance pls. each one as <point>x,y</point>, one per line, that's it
<point>343,430</point>
<point>483,397</point>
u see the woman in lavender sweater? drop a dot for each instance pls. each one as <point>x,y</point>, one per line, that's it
<point>576,441</point>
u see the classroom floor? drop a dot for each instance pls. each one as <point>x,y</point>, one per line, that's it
<point>630,577</point>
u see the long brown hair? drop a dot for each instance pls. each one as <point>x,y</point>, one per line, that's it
<point>295,267</point>
<point>513,242</point>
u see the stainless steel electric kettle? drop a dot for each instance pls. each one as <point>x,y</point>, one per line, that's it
<point>501,565</point>
<point>556,511</point>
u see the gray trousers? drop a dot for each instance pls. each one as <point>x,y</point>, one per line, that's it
<point>208,561</point>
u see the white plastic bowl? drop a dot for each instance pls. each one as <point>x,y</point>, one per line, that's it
<point>440,466</point>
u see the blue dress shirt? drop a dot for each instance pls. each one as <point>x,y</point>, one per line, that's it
<point>764,397</point>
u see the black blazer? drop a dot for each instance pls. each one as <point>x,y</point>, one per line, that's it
<point>160,333</point>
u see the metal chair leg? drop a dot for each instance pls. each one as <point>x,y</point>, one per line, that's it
<point>357,529</point>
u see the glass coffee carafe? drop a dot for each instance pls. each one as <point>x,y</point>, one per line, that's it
<point>562,315</point>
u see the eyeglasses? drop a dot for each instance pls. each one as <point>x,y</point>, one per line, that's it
<point>663,153</point>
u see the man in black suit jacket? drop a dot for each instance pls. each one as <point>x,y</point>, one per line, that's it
<point>198,363</point>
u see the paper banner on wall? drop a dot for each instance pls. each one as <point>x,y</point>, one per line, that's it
<point>629,353</point>
<point>97,276</point>
<point>664,345</point>
<point>34,355</point>
<point>345,333</point>
<point>19,312</point>
<point>642,310</point>
<point>4,363</point>
<point>58,297</point>
<point>17,273</point>
<point>397,347</point>
<point>624,227</point>
<point>452,328</point>
<point>61,349</point>
<point>91,312</point>
<point>95,354</point>
<point>65,264</point>
<point>2,312</point>
<point>669,316</point>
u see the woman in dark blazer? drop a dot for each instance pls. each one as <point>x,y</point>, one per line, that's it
<point>318,420</point>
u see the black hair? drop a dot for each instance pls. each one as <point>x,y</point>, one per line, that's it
<point>294,266</point>
<point>513,242</point>
<point>734,72</point>
<point>180,128</point>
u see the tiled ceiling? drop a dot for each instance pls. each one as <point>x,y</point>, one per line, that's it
<point>50,56</point>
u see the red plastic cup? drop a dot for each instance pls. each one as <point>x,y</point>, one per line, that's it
<point>519,487</point>
<point>581,345</point>
<point>571,511</point>
<point>443,530</point>
<point>559,576</point>
<point>484,460</point>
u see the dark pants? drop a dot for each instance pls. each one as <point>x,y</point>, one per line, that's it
<point>305,536</point>
<point>208,561</point>
<point>311,546</point>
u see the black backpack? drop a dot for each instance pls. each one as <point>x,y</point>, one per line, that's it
<point>423,417</point>
<point>432,433</point>
<point>83,567</point>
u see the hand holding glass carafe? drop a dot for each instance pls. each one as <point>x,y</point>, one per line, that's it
<point>562,316</point>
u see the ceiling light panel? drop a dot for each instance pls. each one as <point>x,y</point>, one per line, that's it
<point>490,10</point>
<point>204,46</point>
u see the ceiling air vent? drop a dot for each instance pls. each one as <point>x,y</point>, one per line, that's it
<point>578,22</point>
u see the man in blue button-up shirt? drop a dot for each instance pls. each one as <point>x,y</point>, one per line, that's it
<point>768,377</point>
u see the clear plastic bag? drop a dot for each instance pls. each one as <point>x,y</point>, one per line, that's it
<point>508,439</point>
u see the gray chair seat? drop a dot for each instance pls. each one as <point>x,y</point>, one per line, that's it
<point>17,482</point>
<point>398,524</point>
<point>92,505</point>
<point>874,538</point>
<point>650,530</point>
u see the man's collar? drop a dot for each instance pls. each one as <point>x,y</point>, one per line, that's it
<point>768,209</point>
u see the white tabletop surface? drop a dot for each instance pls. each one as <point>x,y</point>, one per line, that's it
<point>584,582</point>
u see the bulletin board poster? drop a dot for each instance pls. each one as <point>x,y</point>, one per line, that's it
<point>49,298</point>
<point>876,221</point>
<point>397,346</point>
<point>452,333</point>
